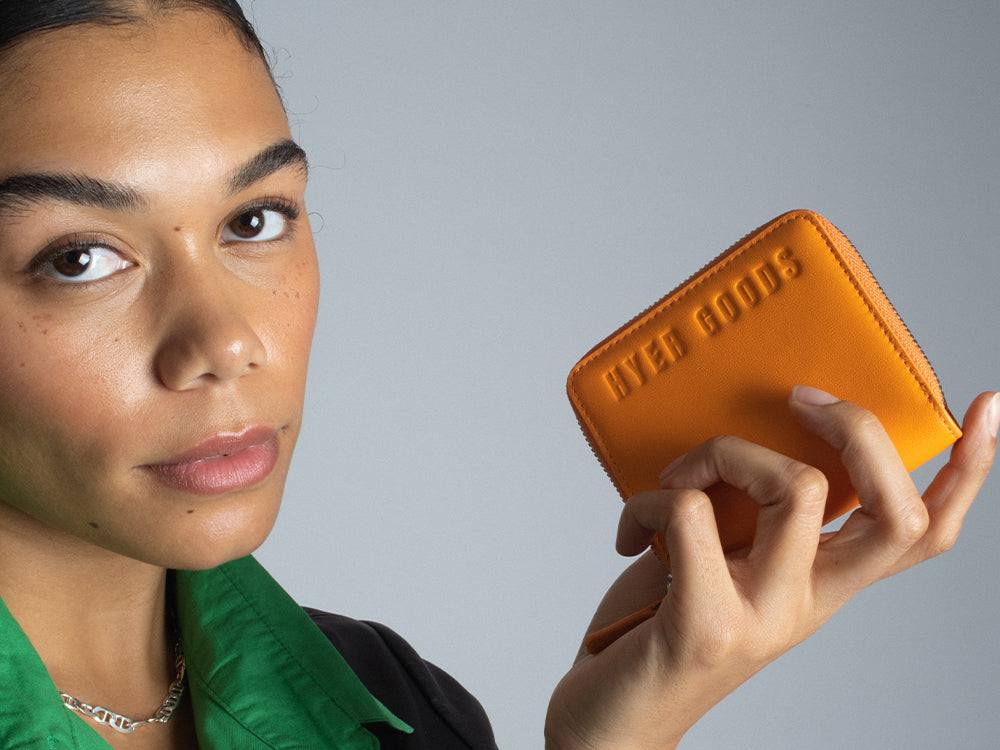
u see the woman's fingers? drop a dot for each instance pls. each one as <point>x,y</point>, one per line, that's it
<point>793,576</point>
<point>892,516</point>
<point>894,527</point>
<point>791,496</point>
<point>952,491</point>
<point>687,521</point>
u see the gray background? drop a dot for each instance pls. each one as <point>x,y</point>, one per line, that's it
<point>495,187</point>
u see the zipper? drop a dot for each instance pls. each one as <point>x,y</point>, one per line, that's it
<point>882,303</point>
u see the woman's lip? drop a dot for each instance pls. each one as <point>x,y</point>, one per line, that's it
<point>222,463</point>
<point>222,444</point>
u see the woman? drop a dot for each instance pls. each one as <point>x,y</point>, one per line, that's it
<point>158,297</point>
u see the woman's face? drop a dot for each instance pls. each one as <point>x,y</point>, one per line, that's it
<point>158,290</point>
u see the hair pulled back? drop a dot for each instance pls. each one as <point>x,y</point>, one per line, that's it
<point>20,19</point>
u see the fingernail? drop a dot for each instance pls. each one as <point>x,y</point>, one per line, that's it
<point>993,415</point>
<point>671,466</point>
<point>810,396</point>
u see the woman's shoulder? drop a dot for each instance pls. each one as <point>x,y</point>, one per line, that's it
<point>443,714</point>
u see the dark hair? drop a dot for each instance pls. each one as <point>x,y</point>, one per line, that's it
<point>22,18</point>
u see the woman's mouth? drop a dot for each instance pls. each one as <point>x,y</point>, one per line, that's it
<point>222,463</point>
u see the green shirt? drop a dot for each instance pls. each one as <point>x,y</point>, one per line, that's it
<point>260,675</point>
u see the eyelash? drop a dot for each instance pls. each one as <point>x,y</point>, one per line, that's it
<point>277,203</point>
<point>73,243</point>
<point>82,242</point>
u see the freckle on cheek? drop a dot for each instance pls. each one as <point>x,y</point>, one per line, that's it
<point>93,525</point>
<point>190,511</point>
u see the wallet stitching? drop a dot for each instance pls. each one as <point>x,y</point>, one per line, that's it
<point>900,353</point>
<point>629,330</point>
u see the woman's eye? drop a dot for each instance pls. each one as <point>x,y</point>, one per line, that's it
<point>255,225</point>
<point>84,263</point>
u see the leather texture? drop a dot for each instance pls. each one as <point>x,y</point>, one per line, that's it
<point>791,303</point>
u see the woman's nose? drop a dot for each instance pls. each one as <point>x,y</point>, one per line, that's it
<point>208,338</point>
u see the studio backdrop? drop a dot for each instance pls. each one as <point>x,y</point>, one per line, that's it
<point>498,185</point>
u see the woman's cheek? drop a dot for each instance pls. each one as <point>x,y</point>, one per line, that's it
<point>66,378</point>
<point>297,302</point>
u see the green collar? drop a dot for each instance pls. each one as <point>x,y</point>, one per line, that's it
<point>260,674</point>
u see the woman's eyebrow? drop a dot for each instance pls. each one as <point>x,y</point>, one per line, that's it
<point>19,191</point>
<point>277,156</point>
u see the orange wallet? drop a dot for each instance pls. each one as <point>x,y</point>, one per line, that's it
<point>791,303</point>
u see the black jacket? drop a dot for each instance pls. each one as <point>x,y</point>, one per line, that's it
<point>443,714</point>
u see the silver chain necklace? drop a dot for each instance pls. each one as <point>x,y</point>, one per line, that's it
<point>125,725</point>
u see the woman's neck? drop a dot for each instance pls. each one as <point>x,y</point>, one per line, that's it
<point>96,619</point>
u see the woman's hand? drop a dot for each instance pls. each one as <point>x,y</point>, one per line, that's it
<point>724,617</point>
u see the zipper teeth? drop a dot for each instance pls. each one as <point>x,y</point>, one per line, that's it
<point>590,443</point>
<point>895,322</point>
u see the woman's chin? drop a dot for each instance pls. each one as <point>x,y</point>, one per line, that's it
<point>207,538</point>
